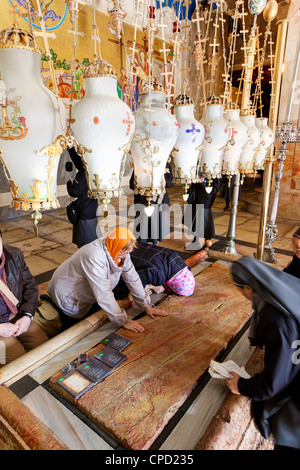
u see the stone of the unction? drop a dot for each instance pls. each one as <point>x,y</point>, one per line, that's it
<point>164,363</point>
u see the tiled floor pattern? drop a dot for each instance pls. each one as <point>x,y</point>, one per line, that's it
<point>53,245</point>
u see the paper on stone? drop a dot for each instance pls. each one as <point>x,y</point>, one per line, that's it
<point>222,370</point>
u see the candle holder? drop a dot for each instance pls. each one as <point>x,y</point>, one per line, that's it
<point>285,134</point>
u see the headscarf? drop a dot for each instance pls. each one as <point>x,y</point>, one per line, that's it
<point>274,286</point>
<point>297,233</point>
<point>183,283</point>
<point>116,240</point>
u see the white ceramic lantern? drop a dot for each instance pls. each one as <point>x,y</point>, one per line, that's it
<point>248,154</point>
<point>154,138</point>
<point>216,138</point>
<point>104,125</point>
<point>32,124</point>
<point>266,140</point>
<point>238,139</point>
<point>188,144</point>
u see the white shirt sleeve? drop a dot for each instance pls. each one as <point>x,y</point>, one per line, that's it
<point>97,276</point>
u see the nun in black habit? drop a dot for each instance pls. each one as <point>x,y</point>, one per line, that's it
<point>155,228</point>
<point>198,216</point>
<point>85,228</point>
<point>275,326</point>
<point>293,267</point>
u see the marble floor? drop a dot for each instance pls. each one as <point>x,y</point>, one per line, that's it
<point>53,245</point>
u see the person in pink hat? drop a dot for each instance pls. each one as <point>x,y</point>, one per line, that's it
<point>160,270</point>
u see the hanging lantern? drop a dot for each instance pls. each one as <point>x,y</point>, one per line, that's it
<point>266,140</point>
<point>117,15</point>
<point>238,139</point>
<point>198,53</point>
<point>176,27</point>
<point>31,124</point>
<point>248,154</point>
<point>155,136</point>
<point>151,31</point>
<point>216,138</point>
<point>188,144</point>
<point>176,42</point>
<point>255,7</point>
<point>270,10</point>
<point>104,125</point>
<point>72,9</point>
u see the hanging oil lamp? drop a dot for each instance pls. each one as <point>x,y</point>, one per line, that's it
<point>117,15</point>
<point>31,125</point>
<point>104,125</point>
<point>188,144</point>
<point>153,140</point>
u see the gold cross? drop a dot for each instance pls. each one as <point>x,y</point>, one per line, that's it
<point>14,12</point>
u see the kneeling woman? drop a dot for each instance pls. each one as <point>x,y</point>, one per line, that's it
<point>161,270</point>
<point>86,280</point>
<point>275,326</point>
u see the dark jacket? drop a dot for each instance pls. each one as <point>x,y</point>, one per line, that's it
<point>294,267</point>
<point>20,280</point>
<point>154,264</point>
<point>276,389</point>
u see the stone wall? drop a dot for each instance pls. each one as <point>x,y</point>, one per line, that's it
<point>289,199</point>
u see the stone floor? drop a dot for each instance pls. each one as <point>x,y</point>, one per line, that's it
<point>53,245</point>
<point>54,242</point>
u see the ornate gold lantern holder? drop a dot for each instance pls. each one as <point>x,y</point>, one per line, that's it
<point>36,203</point>
<point>117,15</point>
<point>150,147</point>
<point>96,192</point>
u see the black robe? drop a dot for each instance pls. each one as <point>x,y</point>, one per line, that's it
<point>156,227</point>
<point>199,200</point>
<point>227,187</point>
<point>275,392</point>
<point>294,267</point>
<point>85,230</point>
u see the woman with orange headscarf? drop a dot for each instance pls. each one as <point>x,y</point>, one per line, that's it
<point>85,281</point>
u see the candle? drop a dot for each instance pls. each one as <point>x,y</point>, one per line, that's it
<point>294,79</point>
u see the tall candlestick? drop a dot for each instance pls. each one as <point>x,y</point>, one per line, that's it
<point>294,79</point>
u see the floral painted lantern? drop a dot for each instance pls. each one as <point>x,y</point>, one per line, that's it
<point>188,144</point>
<point>248,154</point>
<point>32,124</point>
<point>154,138</point>
<point>239,137</point>
<point>266,140</point>
<point>103,125</point>
<point>215,142</point>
